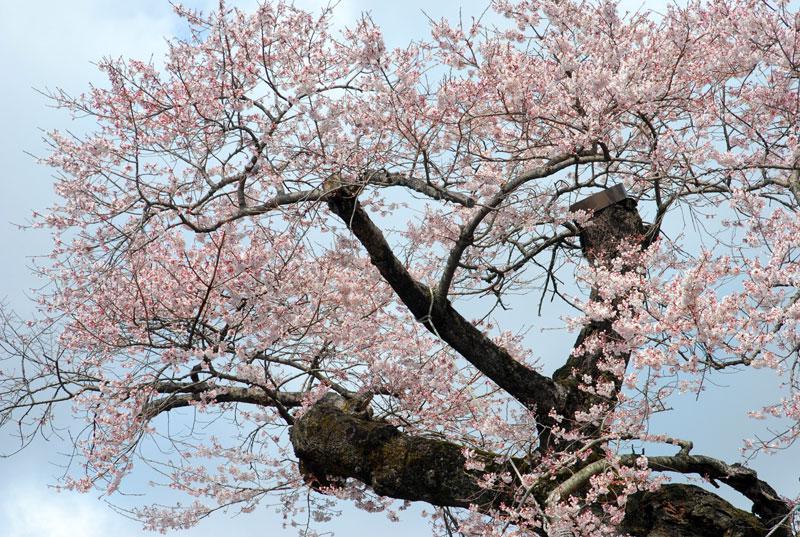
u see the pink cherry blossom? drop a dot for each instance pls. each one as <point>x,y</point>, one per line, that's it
<point>203,258</point>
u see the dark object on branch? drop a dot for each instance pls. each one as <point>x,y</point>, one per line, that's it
<point>194,374</point>
<point>601,200</point>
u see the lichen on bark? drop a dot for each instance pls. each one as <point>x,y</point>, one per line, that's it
<point>332,445</point>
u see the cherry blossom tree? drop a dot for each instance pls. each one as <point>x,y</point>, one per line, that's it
<point>304,237</point>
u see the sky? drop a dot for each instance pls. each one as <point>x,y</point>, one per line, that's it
<point>52,43</point>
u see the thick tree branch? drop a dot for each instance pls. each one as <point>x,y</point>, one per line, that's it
<point>333,444</point>
<point>184,395</point>
<point>601,238</point>
<point>767,503</point>
<point>388,179</point>
<point>531,388</point>
<point>679,510</point>
<point>383,178</point>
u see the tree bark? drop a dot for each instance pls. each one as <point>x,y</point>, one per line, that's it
<point>333,444</point>
<point>601,239</point>
<point>528,386</point>
<point>687,511</point>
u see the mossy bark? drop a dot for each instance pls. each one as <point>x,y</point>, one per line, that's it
<point>332,445</point>
<point>687,511</point>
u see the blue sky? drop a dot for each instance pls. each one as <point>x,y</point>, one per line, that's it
<point>51,43</point>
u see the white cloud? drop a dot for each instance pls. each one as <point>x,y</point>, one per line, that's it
<point>35,512</point>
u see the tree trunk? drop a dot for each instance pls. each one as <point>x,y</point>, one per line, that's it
<point>333,444</point>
